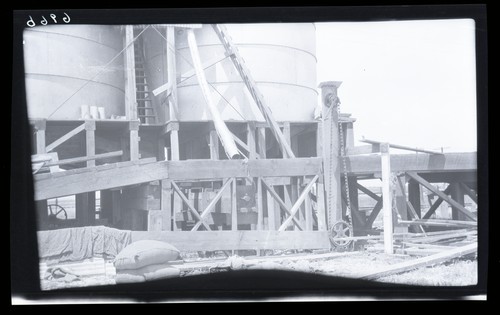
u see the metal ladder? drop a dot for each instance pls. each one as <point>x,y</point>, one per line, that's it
<point>145,110</point>
<point>239,63</point>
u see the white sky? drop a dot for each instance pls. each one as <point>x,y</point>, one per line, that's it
<point>407,82</point>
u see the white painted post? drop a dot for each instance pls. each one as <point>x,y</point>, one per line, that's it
<point>386,197</point>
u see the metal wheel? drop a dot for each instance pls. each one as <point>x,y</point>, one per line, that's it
<point>339,230</point>
<point>57,212</point>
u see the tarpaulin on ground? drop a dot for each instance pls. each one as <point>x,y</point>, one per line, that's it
<point>76,244</point>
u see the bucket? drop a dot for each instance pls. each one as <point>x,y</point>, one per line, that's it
<point>84,112</point>
<point>102,113</point>
<point>94,114</point>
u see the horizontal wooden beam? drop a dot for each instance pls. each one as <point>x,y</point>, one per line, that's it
<point>363,149</point>
<point>441,195</point>
<point>64,138</point>
<point>448,223</point>
<point>86,158</point>
<point>119,174</point>
<point>369,164</point>
<point>237,240</point>
<point>96,178</point>
<point>209,169</point>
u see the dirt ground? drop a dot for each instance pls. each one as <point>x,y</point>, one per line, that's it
<point>453,273</point>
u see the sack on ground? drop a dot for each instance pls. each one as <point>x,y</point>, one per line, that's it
<point>145,253</point>
<point>147,273</point>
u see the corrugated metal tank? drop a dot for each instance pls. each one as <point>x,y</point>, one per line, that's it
<point>59,59</point>
<point>281,58</point>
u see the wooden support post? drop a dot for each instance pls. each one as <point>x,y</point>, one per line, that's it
<point>261,142</point>
<point>85,208</point>
<point>414,199</point>
<point>319,139</point>
<point>90,140</point>
<point>400,199</point>
<point>174,142</point>
<point>234,209</point>
<point>287,133</point>
<point>214,145</point>
<point>42,214</point>
<point>387,198</point>
<point>331,150</point>
<point>166,205</point>
<point>260,205</point>
<point>130,88</point>
<point>172,75</point>
<point>252,153</point>
<point>161,156</point>
<point>358,217</point>
<point>40,125</point>
<point>308,214</point>
<point>106,205</point>
<point>349,136</point>
<point>320,201</point>
<point>134,140</point>
<point>457,194</point>
<point>271,211</point>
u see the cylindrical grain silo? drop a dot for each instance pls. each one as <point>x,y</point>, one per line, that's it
<point>61,63</point>
<point>282,61</point>
<point>281,58</point>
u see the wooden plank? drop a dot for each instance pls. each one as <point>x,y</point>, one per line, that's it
<point>472,195</point>
<point>443,236</point>
<point>194,212</point>
<point>363,149</point>
<point>252,149</point>
<point>90,141</point>
<point>234,207</point>
<point>238,240</point>
<point>206,169</point>
<point>280,202</point>
<point>130,88</point>
<point>458,196</point>
<point>297,204</point>
<point>85,158</point>
<point>260,206</point>
<point>214,145</point>
<point>65,137</point>
<point>166,205</point>
<point>96,178</point>
<point>369,164</point>
<point>174,145</point>
<point>447,223</point>
<point>271,215</point>
<point>436,204</point>
<point>212,203</point>
<point>134,140</point>
<point>308,214</point>
<point>368,192</point>
<point>452,202</point>
<point>415,216</point>
<point>387,198</point>
<point>261,142</point>
<point>422,262</point>
<point>374,213</point>
<point>39,127</point>
<point>172,74</point>
<point>320,201</point>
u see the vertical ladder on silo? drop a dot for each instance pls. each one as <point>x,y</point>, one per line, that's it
<point>239,63</point>
<point>145,110</point>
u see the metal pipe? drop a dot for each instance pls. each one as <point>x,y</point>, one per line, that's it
<point>402,147</point>
<point>222,130</point>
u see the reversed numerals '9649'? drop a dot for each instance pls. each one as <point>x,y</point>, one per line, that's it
<point>52,19</point>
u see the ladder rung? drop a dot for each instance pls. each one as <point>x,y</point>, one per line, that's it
<point>143,99</point>
<point>145,108</point>
<point>145,116</point>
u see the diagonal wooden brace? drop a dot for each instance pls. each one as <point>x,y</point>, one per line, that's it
<point>280,202</point>
<point>297,204</point>
<point>190,207</point>
<point>212,203</point>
